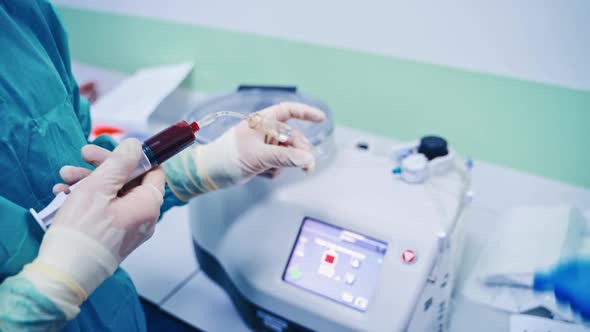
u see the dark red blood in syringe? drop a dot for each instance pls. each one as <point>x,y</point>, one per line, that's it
<point>170,141</point>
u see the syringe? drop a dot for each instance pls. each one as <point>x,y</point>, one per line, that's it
<point>169,142</point>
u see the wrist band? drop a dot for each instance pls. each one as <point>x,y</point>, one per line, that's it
<point>58,276</point>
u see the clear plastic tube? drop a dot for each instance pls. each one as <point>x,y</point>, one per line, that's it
<point>143,166</point>
<point>264,124</point>
<point>211,117</point>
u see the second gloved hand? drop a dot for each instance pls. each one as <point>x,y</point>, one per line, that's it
<point>241,153</point>
<point>570,281</point>
<point>95,229</point>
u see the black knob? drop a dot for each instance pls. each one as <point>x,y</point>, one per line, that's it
<point>433,147</point>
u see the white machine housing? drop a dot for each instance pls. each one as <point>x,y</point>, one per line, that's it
<point>244,237</point>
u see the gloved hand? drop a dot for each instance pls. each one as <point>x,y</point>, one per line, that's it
<point>95,229</point>
<point>242,153</point>
<point>571,283</point>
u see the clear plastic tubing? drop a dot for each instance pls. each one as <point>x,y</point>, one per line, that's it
<point>211,117</point>
<point>264,124</point>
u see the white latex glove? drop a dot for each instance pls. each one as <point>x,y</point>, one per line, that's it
<point>242,153</point>
<point>95,229</point>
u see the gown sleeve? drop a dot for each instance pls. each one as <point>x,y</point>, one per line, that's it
<point>22,306</point>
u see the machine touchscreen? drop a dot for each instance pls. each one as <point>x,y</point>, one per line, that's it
<point>335,263</point>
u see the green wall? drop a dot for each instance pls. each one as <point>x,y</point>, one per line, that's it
<point>539,128</point>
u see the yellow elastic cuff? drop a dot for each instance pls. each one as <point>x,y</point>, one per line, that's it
<point>58,276</point>
<point>183,176</point>
<point>204,173</point>
<point>173,189</point>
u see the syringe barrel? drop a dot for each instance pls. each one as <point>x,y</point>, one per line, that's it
<point>143,166</point>
<point>168,142</point>
<point>163,145</point>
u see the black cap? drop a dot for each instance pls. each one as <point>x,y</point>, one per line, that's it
<point>433,147</point>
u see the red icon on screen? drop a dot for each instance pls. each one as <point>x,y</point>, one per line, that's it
<point>328,263</point>
<point>329,259</point>
<point>408,256</point>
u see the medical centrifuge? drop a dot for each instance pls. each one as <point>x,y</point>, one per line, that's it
<point>367,242</point>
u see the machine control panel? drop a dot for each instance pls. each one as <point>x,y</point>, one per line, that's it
<point>335,263</point>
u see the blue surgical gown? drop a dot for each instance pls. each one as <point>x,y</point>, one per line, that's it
<point>43,125</point>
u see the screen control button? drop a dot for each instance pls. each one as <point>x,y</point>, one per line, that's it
<point>408,256</point>
<point>347,297</point>
<point>349,278</point>
<point>295,273</point>
<point>361,302</point>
